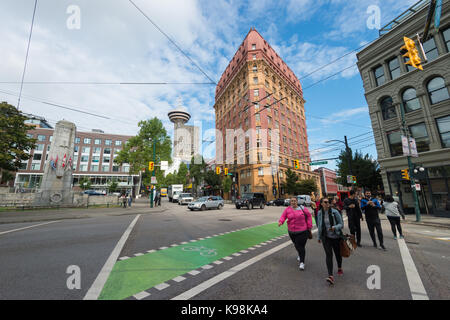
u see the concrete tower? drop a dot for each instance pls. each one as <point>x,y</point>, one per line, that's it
<point>181,141</point>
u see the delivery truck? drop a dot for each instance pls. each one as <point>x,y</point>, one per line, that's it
<point>174,191</point>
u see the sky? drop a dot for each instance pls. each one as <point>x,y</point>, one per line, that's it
<point>97,44</point>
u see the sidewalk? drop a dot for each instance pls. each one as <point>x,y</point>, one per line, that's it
<point>428,220</point>
<point>18,216</point>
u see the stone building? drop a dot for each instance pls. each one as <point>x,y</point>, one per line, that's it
<point>390,85</point>
<point>259,144</point>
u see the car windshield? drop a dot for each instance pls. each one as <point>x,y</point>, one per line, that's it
<point>247,195</point>
<point>186,195</point>
<point>202,199</point>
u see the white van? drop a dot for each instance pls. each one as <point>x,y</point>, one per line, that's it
<point>304,200</point>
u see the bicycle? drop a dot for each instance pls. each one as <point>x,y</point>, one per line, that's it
<point>205,252</point>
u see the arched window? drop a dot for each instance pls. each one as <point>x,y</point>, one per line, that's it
<point>387,108</point>
<point>437,90</point>
<point>410,100</point>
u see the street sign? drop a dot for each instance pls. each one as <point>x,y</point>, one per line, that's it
<point>318,163</point>
<point>417,186</point>
<point>437,14</point>
<point>153,180</point>
<point>164,165</point>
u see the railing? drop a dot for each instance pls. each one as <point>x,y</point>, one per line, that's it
<point>405,15</point>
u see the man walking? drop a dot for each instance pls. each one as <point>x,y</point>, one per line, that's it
<point>354,214</point>
<point>370,207</point>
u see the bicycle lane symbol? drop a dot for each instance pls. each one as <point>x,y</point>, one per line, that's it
<point>204,251</point>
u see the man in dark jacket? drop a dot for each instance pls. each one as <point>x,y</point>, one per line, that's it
<point>370,206</point>
<point>354,214</point>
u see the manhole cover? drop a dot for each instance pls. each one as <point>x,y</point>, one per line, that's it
<point>225,220</point>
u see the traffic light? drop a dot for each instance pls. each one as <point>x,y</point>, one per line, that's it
<point>412,53</point>
<point>405,174</point>
<point>296,164</point>
<point>151,166</point>
<point>217,170</point>
<point>225,171</point>
<point>354,179</point>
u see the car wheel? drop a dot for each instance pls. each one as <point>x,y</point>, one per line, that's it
<point>220,206</point>
<point>238,207</point>
<point>191,209</point>
<point>261,206</point>
<point>203,207</point>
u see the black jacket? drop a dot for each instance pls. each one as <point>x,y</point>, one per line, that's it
<point>352,213</point>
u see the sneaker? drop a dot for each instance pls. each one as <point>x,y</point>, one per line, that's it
<point>298,258</point>
<point>395,238</point>
<point>330,280</point>
<point>382,247</point>
<point>340,272</point>
<point>402,237</point>
<point>302,266</point>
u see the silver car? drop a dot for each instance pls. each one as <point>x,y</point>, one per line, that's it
<point>206,203</point>
<point>185,198</point>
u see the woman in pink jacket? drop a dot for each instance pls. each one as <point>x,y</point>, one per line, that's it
<point>299,223</point>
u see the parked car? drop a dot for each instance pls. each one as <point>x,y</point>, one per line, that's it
<point>278,202</point>
<point>93,193</point>
<point>206,203</point>
<point>304,200</point>
<point>185,198</point>
<point>251,200</point>
<point>287,202</point>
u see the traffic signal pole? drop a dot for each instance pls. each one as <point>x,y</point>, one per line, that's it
<point>153,173</point>
<point>349,156</point>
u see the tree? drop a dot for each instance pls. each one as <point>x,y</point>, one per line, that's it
<point>291,180</point>
<point>306,187</point>
<point>112,186</point>
<point>85,183</point>
<point>366,170</point>
<point>14,142</point>
<point>138,151</point>
<point>182,175</point>
<point>227,182</point>
<point>213,180</point>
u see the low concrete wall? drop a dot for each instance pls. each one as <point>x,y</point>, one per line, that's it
<point>79,200</point>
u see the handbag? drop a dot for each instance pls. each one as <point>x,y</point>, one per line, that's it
<point>347,245</point>
<point>310,236</point>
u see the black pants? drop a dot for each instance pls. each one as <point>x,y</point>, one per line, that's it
<point>299,239</point>
<point>330,245</point>
<point>395,222</point>
<point>372,225</point>
<point>354,224</point>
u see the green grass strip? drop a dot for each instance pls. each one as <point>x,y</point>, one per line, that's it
<point>137,274</point>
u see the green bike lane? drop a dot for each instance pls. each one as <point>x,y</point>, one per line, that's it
<point>134,275</point>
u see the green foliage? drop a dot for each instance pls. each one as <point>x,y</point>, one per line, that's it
<point>197,172</point>
<point>6,176</point>
<point>112,186</point>
<point>227,182</point>
<point>182,175</point>
<point>306,187</point>
<point>138,151</point>
<point>85,183</point>
<point>291,182</point>
<point>14,142</point>
<point>213,180</point>
<point>367,171</point>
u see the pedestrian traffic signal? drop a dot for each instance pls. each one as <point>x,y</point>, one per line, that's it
<point>405,174</point>
<point>217,170</point>
<point>151,166</point>
<point>410,51</point>
<point>296,164</point>
<point>354,179</point>
<point>225,171</point>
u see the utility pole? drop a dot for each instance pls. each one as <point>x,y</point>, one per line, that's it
<point>349,156</point>
<point>411,167</point>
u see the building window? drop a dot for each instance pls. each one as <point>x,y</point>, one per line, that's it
<point>105,168</point>
<point>37,157</point>
<point>41,137</point>
<point>430,49</point>
<point>108,142</point>
<point>379,75</point>
<point>86,150</point>
<point>443,125</point>
<point>387,108</point>
<point>77,140</point>
<point>98,141</point>
<point>408,67</point>
<point>35,166</point>
<point>97,150</point>
<point>83,168</point>
<point>255,80</point>
<point>118,143</point>
<point>75,149</point>
<point>410,100</point>
<point>39,147</point>
<point>256,93</point>
<point>395,143</point>
<point>94,167</point>
<point>269,120</point>
<point>437,90</point>
<point>254,46</point>
<point>446,36</point>
<point>96,159</point>
<point>260,171</point>
<point>394,68</point>
<point>84,158</point>
<point>87,141</point>
<point>107,151</point>
<point>106,159</point>
<point>115,169</point>
<point>419,132</point>
<point>50,138</point>
<point>255,68</point>
<point>257,117</point>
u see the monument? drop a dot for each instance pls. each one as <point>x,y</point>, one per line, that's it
<point>57,180</point>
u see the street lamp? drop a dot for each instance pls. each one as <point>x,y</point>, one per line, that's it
<point>347,149</point>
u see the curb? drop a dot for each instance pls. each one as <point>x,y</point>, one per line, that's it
<point>431,224</point>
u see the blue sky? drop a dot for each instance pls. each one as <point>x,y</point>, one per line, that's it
<point>115,43</point>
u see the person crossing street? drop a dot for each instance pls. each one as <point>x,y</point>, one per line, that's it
<point>354,215</point>
<point>370,207</point>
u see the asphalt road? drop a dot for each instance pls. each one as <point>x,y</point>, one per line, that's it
<point>34,260</point>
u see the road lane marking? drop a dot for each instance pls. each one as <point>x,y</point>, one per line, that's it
<point>141,295</point>
<point>97,287</point>
<point>36,225</point>
<point>162,286</point>
<point>224,275</point>
<point>415,283</point>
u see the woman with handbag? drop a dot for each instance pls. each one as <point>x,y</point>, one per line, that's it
<point>299,221</point>
<point>329,224</point>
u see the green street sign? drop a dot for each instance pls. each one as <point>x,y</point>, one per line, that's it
<point>318,163</point>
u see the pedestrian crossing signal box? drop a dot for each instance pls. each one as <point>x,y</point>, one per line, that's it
<point>217,170</point>
<point>151,166</point>
<point>405,174</point>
